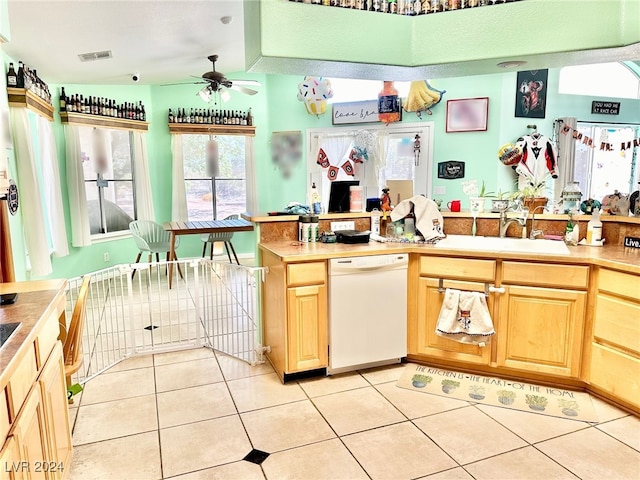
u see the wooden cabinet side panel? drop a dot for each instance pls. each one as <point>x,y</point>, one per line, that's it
<point>428,342</point>
<point>541,330</point>
<point>274,312</point>
<point>307,328</point>
<point>54,399</point>
<point>10,465</point>
<point>617,320</point>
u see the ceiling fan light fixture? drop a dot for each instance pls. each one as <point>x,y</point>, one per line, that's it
<point>205,94</point>
<point>225,96</point>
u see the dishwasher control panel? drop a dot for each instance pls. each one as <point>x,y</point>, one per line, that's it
<point>386,262</point>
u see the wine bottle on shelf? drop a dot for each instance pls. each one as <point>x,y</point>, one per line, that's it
<point>12,76</point>
<point>249,118</point>
<point>63,100</point>
<point>143,114</point>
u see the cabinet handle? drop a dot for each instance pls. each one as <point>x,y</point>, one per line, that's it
<point>493,289</point>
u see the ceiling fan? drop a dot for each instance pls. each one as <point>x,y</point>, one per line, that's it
<point>217,82</point>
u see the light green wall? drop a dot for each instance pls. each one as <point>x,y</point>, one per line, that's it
<point>5,31</point>
<point>507,31</point>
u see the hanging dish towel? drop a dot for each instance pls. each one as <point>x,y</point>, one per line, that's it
<point>428,218</point>
<point>464,317</point>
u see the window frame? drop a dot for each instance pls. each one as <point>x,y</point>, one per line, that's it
<point>213,179</point>
<point>101,197</point>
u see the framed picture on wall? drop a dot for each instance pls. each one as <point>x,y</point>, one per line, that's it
<point>467,115</point>
<point>531,93</point>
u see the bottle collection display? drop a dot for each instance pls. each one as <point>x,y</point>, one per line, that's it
<point>27,78</point>
<point>211,117</point>
<point>405,7</point>
<point>105,107</point>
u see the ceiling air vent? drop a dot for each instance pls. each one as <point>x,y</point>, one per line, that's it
<point>89,57</point>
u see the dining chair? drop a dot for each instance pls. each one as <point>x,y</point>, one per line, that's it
<point>225,237</point>
<point>71,336</point>
<point>150,237</point>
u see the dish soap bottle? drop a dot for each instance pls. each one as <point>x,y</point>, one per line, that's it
<point>571,234</point>
<point>594,228</point>
<point>314,199</point>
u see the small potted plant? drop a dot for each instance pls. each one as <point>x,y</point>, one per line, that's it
<point>449,386</point>
<point>569,407</point>
<point>477,199</point>
<point>420,381</point>
<point>532,195</point>
<point>506,397</point>
<point>536,402</point>
<point>500,202</point>
<point>477,392</point>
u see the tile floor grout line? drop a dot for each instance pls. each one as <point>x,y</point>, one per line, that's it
<point>557,462</point>
<point>155,389</point>
<point>616,438</point>
<point>334,431</point>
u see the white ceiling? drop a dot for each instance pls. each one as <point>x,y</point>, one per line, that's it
<point>164,40</point>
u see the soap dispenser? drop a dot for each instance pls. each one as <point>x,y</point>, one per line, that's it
<point>594,228</point>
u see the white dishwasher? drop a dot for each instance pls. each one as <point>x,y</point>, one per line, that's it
<point>367,311</point>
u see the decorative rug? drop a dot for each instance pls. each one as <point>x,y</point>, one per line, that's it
<point>527,397</point>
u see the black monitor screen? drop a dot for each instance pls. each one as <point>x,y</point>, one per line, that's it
<point>339,195</point>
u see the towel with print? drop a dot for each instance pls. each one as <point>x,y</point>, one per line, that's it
<point>464,317</point>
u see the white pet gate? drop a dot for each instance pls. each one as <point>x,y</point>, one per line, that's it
<point>215,305</point>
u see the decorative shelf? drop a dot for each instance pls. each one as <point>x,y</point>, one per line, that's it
<point>207,128</point>
<point>84,119</point>
<point>21,97</point>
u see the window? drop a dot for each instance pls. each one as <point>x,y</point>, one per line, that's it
<point>600,172</point>
<point>602,80</point>
<point>109,178</point>
<point>352,90</point>
<point>214,197</point>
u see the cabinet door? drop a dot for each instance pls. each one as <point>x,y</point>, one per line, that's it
<point>540,330</point>
<point>307,328</point>
<point>54,399</point>
<point>10,466</point>
<point>30,430</point>
<point>427,342</point>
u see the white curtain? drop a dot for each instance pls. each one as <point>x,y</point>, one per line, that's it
<point>335,147</point>
<point>144,199</point>
<point>52,189</point>
<point>380,158</point>
<point>566,146</point>
<point>251,183</point>
<point>178,195</point>
<point>35,233</point>
<point>80,230</point>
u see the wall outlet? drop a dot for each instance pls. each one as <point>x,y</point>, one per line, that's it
<point>106,256</point>
<point>337,226</point>
<point>440,190</point>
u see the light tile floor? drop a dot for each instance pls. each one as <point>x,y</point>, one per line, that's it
<point>196,414</point>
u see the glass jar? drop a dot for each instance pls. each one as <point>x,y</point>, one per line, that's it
<point>571,197</point>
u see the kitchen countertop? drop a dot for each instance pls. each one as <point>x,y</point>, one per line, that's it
<point>612,256</point>
<point>36,300</point>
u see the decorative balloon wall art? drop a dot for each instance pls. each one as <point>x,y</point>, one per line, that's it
<point>314,92</point>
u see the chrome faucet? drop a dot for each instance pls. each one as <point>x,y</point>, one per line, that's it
<point>505,222</point>
<point>535,233</point>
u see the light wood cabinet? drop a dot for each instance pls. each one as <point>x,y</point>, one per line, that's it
<point>29,432</point>
<point>540,330</point>
<point>307,327</point>
<point>614,369</point>
<point>10,466</point>
<point>427,342</point>
<point>56,412</point>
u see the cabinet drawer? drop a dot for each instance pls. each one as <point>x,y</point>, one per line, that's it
<point>463,268</point>
<point>4,416</point>
<point>619,283</point>
<point>306,273</point>
<point>47,340</point>
<point>616,372</point>
<point>525,273</point>
<point>618,321</point>
<point>21,381</point>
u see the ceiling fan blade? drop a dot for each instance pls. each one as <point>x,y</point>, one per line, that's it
<point>181,83</point>
<point>246,83</point>
<point>238,88</point>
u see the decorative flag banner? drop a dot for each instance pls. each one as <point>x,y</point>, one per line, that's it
<point>323,160</point>
<point>332,174</point>
<point>590,142</point>
<point>348,168</point>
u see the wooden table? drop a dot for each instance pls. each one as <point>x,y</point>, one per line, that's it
<point>191,228</point>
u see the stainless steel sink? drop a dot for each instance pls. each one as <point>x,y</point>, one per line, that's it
<point>509,245</point>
